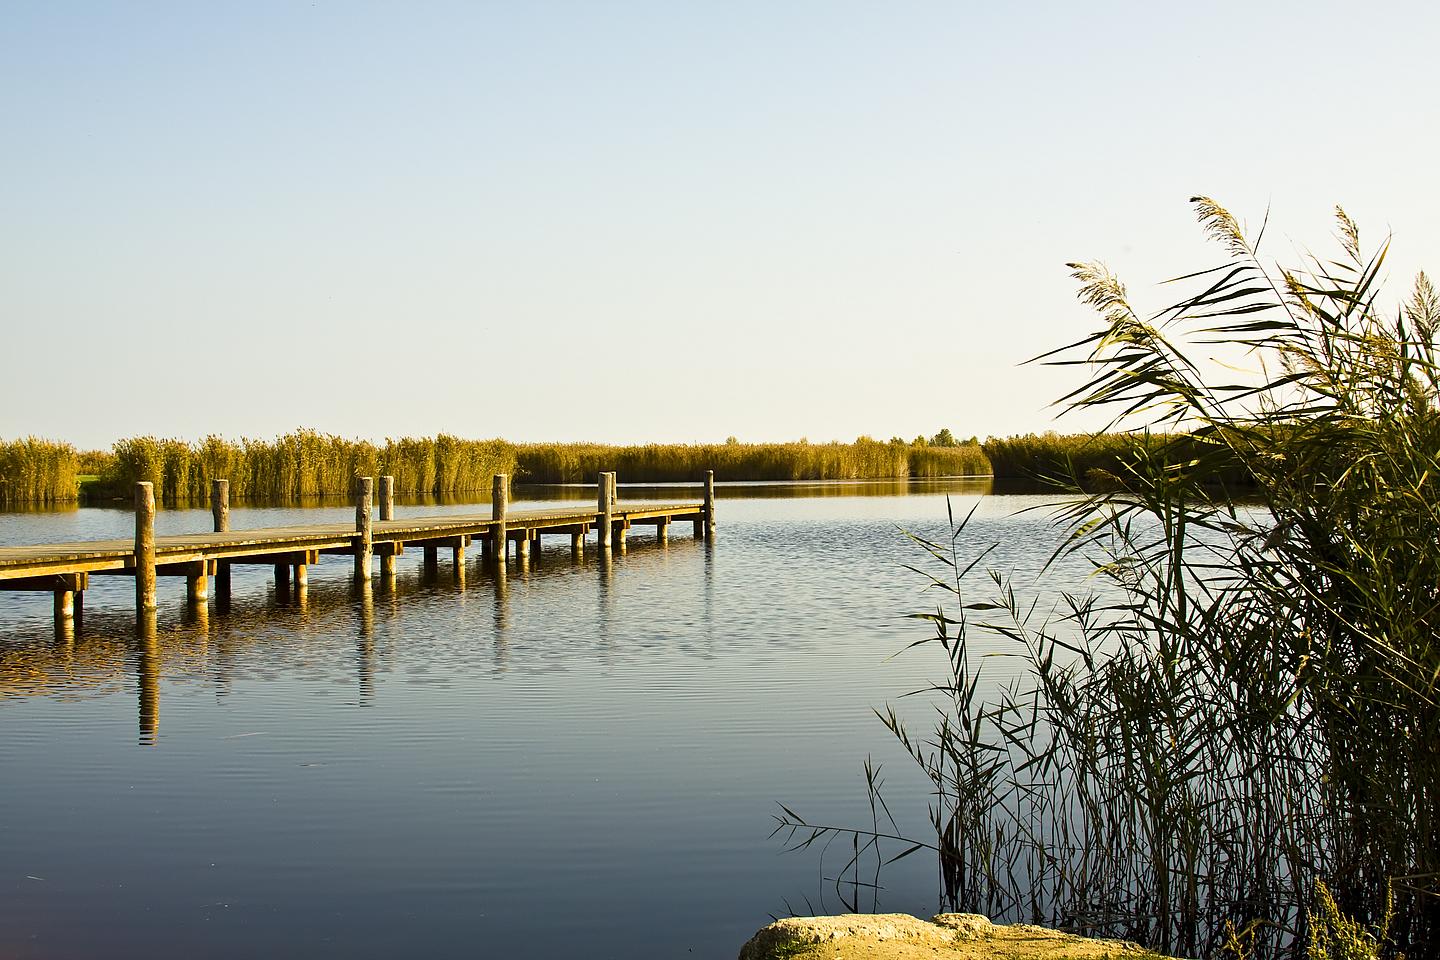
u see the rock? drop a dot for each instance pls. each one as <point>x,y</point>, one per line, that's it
<point>951,936</point>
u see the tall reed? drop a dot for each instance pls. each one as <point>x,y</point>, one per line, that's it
<point>865,459</point>
<point>304,464</point>
<point>37,471</point>
<point>1254,706</point>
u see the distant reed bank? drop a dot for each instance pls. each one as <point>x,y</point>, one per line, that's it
<point>306,463</point>
<point>37,471</point>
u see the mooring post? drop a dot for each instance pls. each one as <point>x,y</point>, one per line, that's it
<point>388,560</point>
<point>499,509</point>
<point>387,498</point>
<point>220,513</point>
<point>220,504</point>
<point>604,527</point>
<point>709,502</point>
<point>364,495</point>
<point>144,548</point>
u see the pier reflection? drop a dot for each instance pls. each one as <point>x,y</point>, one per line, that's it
<point>274,627</point>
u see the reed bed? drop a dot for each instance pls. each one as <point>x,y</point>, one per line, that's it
<point>1063,457</point>
<point>962,460</point>
<point>1251,709</point>
<point>865,459</point>
<point>37,471</point>
<point>302,464</point>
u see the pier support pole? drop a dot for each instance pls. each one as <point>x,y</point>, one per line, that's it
<point>220,513</point>
<point>709,503</point>
<point>499,510</point>
<point>364,495</point>
<point>662,530</point>
<point>432,560</point>
<point>64,606</point>
<point>604,526</point>
<point>69,602</point>
<point>144,549</point>
<point>457,559</point>
<point>197,583</point>
<point>388,560</point>
<point>577,544</point>
<point>522,547</point>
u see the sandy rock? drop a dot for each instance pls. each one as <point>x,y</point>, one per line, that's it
<point>950,936</point>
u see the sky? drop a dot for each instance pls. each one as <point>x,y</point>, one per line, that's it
<point>670,222</point>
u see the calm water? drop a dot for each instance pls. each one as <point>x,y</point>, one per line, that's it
<point>581,757</point>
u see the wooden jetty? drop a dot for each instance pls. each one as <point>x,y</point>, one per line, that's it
<point>64,569</point>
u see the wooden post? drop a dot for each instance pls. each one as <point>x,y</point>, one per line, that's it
<point>364,494</point>
<point>432,559</point>
<point>282,578</point>
<point>522,547</point>
<point>220,512</point>
<point>614,489</point>
<point>499,510</point>
<point>197,583</point>
<point>302,578</point>
<point>662,530</point>
<point>577,543</point>
<point>621,529</point>
<point>604,526</point>
<point>220,504</point>
<point>709,502</point>
<point>457,552</point>
<point>144,548</point>
<point>387,498</point>
<point>388,561</point>
<point>64,606</point>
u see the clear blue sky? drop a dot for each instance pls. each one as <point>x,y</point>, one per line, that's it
<point>650,221</point>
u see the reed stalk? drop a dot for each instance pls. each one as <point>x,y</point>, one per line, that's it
<point>1251,704</point>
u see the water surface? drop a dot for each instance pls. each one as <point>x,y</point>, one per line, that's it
<point>577,756</point>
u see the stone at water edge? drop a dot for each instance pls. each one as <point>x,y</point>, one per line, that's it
<point>899,936</point>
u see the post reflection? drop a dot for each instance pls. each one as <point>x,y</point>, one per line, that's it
<point>147,670</point>
<point>365,641</point>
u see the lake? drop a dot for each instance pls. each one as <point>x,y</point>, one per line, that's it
<point>584,757</point>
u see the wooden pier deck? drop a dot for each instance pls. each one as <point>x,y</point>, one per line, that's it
<point>64,569</point>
